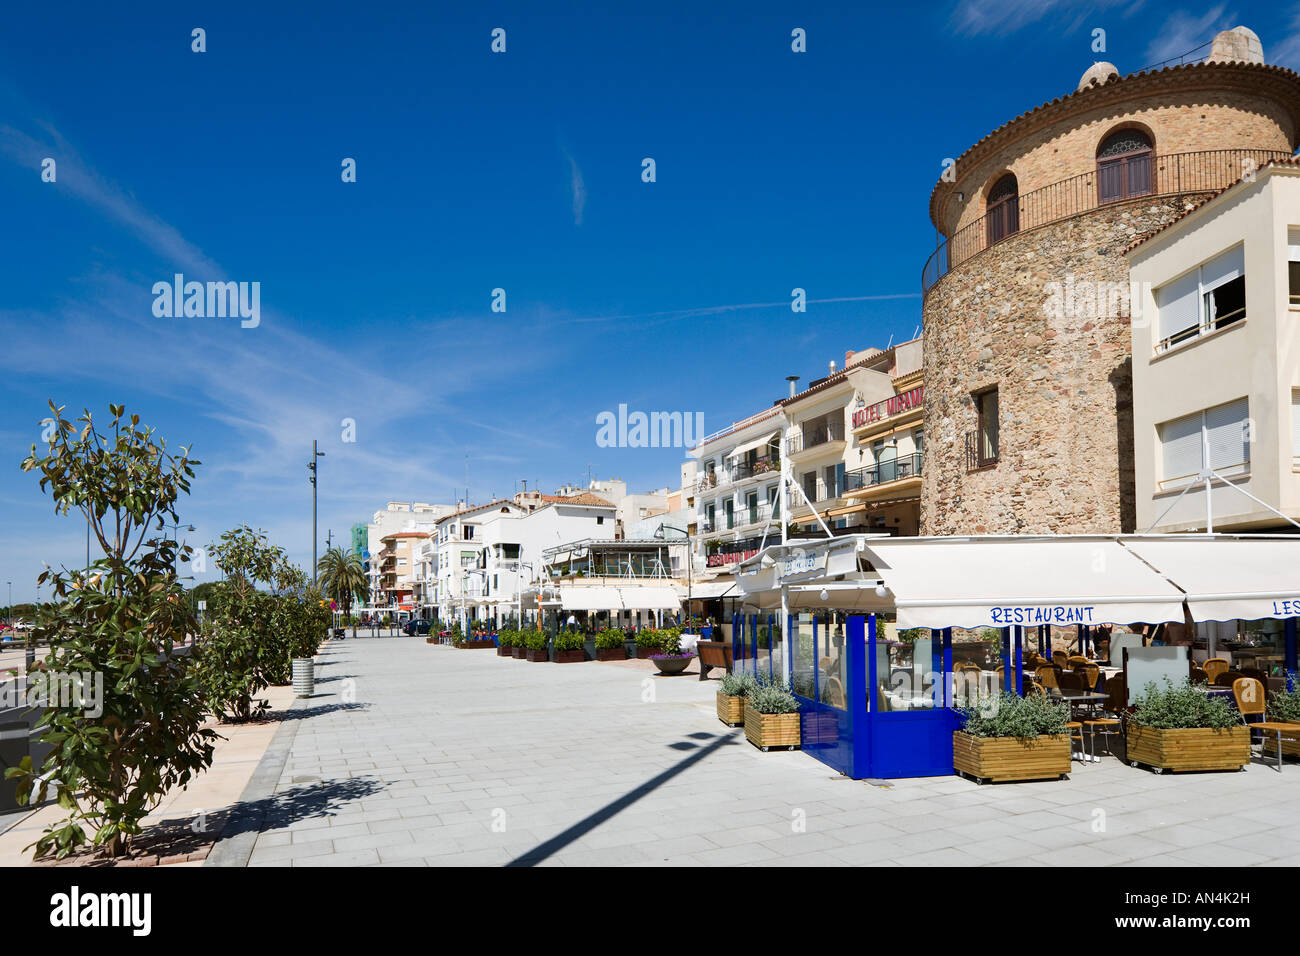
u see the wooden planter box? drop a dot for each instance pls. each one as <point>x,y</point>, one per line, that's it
<point>570,657</point>
<point>518,652</point>
<point>731,710</point>
<point>1193,748</point>
<point>431,640</point>
<point>1010,758</point>
<point>646,652</point>
<point>771,730</point>
<point>536,657</point>
<point>505,652</point>
<point>476,645</point>
<point>611,653</point>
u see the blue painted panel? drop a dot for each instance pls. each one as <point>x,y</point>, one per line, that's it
<point>916,743</point>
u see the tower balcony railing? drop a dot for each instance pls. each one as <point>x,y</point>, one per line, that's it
<point>1170,174</point>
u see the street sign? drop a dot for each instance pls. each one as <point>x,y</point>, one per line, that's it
<point>203,605</point>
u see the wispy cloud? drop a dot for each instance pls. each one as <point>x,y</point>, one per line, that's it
<point>79,179</point>
<point>1004,17</point>
<point>1183,32</point>
<point>577,187</point>
<point>1286,52</point>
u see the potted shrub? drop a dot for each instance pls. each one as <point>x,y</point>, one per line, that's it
<point>1182,728</point>
<point>505,643</point>
<point>649,641</point>
<point>771,716</point>
<point>733,691</point>
<point>1283,707</point>
<point>535,646</point>
<point>610,645</point>
<point>569,648</point>
<point>1006,737</point>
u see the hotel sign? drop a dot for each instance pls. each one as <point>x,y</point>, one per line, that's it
<point>902,402</point>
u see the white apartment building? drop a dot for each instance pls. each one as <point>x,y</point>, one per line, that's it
<point>1216,361</point>
<point>397,516</point>
<point>457,543</point>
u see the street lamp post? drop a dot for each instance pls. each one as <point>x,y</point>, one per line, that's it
<point>311,465</point>
<point>176,529</point>
<point>690,560</point>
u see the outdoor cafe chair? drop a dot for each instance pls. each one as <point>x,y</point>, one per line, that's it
<point>1214,667</point>
<point>1090,673</point>
<point>1060,658</point>
<point>1077,660</point>
<point>1228,678</point>
<point>1196,674</point>
<point>1047,676</point>
<point>1251,702</point>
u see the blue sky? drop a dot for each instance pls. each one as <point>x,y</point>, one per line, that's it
<point>475,171</point>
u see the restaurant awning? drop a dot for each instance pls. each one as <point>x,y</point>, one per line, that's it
<point>706,590</point>
<point>750,446</point>
<point>650,598</point>
<point>1229,578</point>
<point>1027,581</point>
<point>590,599</point>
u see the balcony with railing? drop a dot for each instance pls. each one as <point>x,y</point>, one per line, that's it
<point>882,473</point>
<point>981,451</point>
<point>1170,174</point>
<point>814,436</point>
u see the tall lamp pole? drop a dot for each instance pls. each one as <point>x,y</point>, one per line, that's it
<point>311,465</point>
<point>690,560</point>
<point>176,529</point>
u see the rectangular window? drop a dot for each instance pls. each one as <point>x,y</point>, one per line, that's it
<point>1222,433</point>
<point>710,512</point>
<point>1212,296</point>
<point>986,405</point>
<point>1293,266</point>
<point>751,505</point>
<point>1295,424</point>
<point>810,485</point>
<point>730,508</point>
<point>774,499</point>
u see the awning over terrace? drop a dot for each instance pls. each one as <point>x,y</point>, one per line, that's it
<point>1001,582</point>
<point>590,599</point>
<point>1229,577</point>
<point>751,446</point>
<point>632,598</point>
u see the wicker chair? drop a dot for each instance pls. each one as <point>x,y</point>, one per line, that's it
<point>1251,702</point>
<point>1214,667</point>
<point>1228,678</point>
<point>1046,674</point>
<point>1090,674</point>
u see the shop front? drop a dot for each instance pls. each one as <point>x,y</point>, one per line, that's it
<point>882,637</point>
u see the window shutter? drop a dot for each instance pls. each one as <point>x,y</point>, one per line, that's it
<point>1231,265</point>
<point>1178,306</point>
<point>1180,448</point>
<point>1226,428</point>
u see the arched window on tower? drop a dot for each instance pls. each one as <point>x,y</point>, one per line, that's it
<point>1124,166</point>
<point>1003,215</point>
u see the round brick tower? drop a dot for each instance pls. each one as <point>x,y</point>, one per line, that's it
<point>1028,415</point>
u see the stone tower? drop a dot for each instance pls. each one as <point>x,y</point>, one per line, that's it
<point>1028,414</point>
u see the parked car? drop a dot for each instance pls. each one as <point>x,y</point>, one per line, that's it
<point>419,626</point>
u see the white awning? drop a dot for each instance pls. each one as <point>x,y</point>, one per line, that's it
<point>1034,580</point>
<point>750,446</point>
<point>590,599</point>
<point>650,598</point>
<point>1246,578</point>
<point>705,590</point>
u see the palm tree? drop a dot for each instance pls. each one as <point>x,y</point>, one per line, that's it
<point>342,578</point>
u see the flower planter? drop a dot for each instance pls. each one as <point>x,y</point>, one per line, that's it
<point>536,656</point>
<point>432,640</point>
<point>505,652</point>
<point>771,730</point>
<point>518,652</point>
<point>476,644</point>
<point>570,657</point>
<point>1188,748</point>
<point>611,653</point>
<point>731,710</point>
<point>670,666</point>
<point>1010,758</point>
<point>645,653</point>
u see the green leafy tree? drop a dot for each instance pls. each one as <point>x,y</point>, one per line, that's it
<point>248,633</point>
<point>122,617</point>
<point>343,578</point>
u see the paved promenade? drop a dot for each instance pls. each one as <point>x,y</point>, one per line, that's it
<point>421,754</point>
